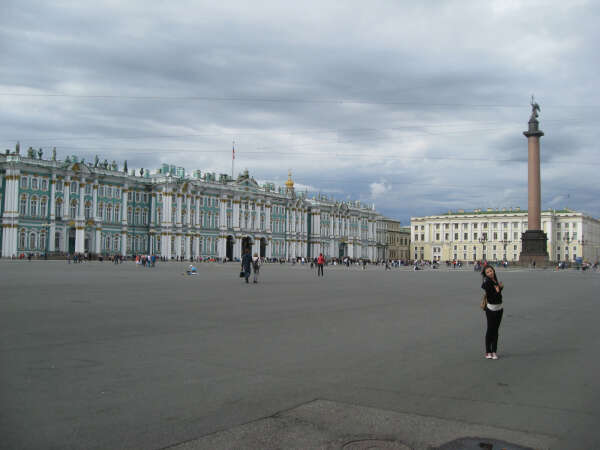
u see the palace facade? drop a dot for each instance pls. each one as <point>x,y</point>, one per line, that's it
<point>495,235</point>
<point>51,206</point>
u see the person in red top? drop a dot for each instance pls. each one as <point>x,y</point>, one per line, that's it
<point>320,264</point>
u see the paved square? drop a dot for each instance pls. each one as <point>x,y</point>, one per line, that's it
<point>100,356</point>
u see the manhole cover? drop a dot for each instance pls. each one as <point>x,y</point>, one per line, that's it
<point>480,444</point>
<point>374,444</point>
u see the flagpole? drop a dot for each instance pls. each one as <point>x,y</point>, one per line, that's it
<point>232,157</point>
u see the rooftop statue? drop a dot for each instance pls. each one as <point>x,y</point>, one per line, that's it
<point>18,148</point>
<point>30,152</point>
<point>96,161</point>
<point>54,154</point>
<point>114,165</point>
<point>105,164</point>
<point>535,108</point>
<point>125,166</point>
<point>40,153</point>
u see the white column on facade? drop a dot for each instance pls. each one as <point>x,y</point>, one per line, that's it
<point>95,200</point>
<point>188,216</point>
<point>124,207</point>
<point>237,247</point>
<point>178,210</point>
<point>80,224</point>
<point>236,214</point>
<point>197,214</point>
<point>52,203</point>
<point>268,218</point>
<point>98,240</point>
<point>11,213</point>
<point>188,246</point>
<point>152,211</point>
<point>67,201</point>
<point>223,213</point>
<point>197,245</point>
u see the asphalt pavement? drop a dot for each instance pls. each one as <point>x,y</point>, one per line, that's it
<point>104,356</point>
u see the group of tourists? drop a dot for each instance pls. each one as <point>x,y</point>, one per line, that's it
<point>145,260</point>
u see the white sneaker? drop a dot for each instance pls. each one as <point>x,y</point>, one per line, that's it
<point>494,356</point>
<point>488,356</point>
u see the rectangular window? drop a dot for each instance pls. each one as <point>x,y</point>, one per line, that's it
<point>130,196</point>
<point>437,236</point>
<point>88,189</point>
<point>495,236</point>
<point>456,236</point>
<point>466,236</point>
<point>447,236</point>
<point>24,182</point>
<point>34,183</point>
<point>474,236</point>
<point>44,185</point>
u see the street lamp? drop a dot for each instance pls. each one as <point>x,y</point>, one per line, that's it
<point>482,240</point>
<point>504,243</point>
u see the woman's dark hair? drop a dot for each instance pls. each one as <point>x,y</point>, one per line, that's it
<point>485,267</point>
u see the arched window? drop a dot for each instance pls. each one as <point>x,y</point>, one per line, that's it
<point>109,212</point>
<point>43,244</point>
<point>116,241</point>
<point>22,240</point>
<point>73,209</point>
<point>58,208</point>
<point>100,210</point>
<point>88,210</point>
<point>32,243</point>
<point>130,216</point>
<point>136,219</point>
<point>44,207</point>
<point>23,205</point>
<point>33,206</point>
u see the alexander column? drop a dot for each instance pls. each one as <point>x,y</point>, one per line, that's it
<point>534,240</point>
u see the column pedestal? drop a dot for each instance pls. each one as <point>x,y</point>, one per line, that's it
<point>534,248</point>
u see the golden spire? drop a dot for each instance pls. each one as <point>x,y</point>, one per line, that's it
<point>289,183</point>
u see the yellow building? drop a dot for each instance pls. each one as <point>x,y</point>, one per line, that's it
<point>495,235</point>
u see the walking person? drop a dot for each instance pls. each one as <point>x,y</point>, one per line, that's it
<point>255,267</point>
<point>493,310</point>
<point>246,263</point>
<point>320,264</point>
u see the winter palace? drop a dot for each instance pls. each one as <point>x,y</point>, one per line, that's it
<point>495,235</point>
<point>70,206</point>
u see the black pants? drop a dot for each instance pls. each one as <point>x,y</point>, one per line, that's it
<point>493,324</point>
<point>320,269</point>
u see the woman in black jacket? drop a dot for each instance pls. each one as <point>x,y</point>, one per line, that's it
<point>493,310</point>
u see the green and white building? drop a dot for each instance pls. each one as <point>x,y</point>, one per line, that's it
<point>70,206</point>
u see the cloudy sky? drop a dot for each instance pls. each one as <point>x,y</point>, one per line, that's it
<point>418,107</point>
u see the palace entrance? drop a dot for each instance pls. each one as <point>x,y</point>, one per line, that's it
<point>343,250</point>
<point>229,248</point>
<point>71,246</point>
<point>263,248</point>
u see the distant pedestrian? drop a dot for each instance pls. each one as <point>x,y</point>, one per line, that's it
<point>493,310</point>
<point>246,264</point>
<point>255,267</point>
<point>320,264</point>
